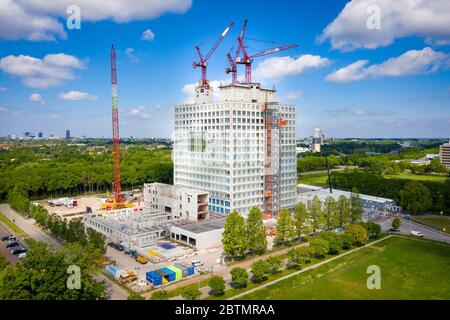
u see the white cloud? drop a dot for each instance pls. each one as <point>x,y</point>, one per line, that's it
<point>148,35</point>
<point>277,68</point>
<point>189,90</point>
<point>292,95</point>
<point>2,89</point>
<point>77,96</point>
<point>38,20</point>
<point>3,109</point>
<point>129,52</point>
<point>428,19</point>
<point>44,73</point>
<point>55,116</point>
<point>413,62</point>
<point>36,97</point>
<point>140,112</point>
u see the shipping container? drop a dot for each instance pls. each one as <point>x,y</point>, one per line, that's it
<point>171,275</point>
<point>164,276</point>
<point>178,272</point>
<point>113,271</point>
<point>188,270</point>
<point>154,278</point>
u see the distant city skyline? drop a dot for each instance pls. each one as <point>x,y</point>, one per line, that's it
<point>347,75</point>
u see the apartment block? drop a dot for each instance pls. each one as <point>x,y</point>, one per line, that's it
<point>241,149</point>
<point>444,154</point>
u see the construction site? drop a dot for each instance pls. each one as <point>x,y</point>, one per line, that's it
<point>233,154</point>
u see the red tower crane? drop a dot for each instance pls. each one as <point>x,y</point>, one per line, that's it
<point>115,128</point>
<point>233,67</point>
<point>203,60</point>
<point>247,60</point>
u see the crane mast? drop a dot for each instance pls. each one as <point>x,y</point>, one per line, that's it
<point>115,127</point>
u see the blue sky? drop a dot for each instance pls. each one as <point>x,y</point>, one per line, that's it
<point>344,77</point>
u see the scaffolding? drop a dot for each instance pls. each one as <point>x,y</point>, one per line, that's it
<point>272,163</point>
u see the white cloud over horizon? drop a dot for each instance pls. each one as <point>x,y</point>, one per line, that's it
<point>148,35</point>
<point>37,20</point>
<point>428,19</point>
<point>44,73</point>
<point>36,97</point>
<point>412,62</point>
<point>140,112</point>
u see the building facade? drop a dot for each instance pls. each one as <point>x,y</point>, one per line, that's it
<point>444,154</point>
<point>240,149</point>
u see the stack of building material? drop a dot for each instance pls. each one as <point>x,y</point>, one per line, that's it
<point>187,270</point>
<point>178,272</point>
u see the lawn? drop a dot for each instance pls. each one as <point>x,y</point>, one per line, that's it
<point>417,177</point>
<point>436,221</point>
<point>12,226</point>
<point>410,269</point>
<point>318,179</point>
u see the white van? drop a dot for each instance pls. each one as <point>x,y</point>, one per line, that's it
<point>416,233</point>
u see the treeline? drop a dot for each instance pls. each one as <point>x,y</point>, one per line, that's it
<point>316,163</point>
<point>414,196</point>
<point>68,231</point>
<point>52,171</point>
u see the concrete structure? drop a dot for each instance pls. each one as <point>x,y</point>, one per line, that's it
<point>67,134</point>
<point>369,203</point>
<point>317,140</point>
<point>444,154</point>
<point>186,204</point>
<point>222,147</point>
<point>164,205</point>
<point>202,235</point>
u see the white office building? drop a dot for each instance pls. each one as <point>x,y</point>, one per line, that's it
<point>241,150</point>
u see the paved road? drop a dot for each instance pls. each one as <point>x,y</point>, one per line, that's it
<point>29,227</point>
<point>406,226</point>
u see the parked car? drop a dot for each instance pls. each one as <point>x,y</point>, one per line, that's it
<point>111,244</point>
<point>119,247</point>
<point>21,255</point>
<point>416,233</point>
<point>394,230</point>
<point>9,238</point>
<point>196,263</point>
<point>12,244</point>
<point>18,250</point>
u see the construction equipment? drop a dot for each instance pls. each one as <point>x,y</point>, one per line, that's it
<point>233,67</point>
<point>141,259</point>
<point>248,60</point>
<point>203,60</point>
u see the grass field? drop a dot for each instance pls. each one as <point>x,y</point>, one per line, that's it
<point>417,177</point>
<point>318,179</point>
<point>438,222</point>
<point>410,269</point>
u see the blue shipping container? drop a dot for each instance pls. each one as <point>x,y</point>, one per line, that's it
<point>154,278</point>
<point>171,275</point>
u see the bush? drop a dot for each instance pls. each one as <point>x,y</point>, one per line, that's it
<point>191,293</point>
<point>346,241</point>
<point>260,269</point>
<point>239,277</point>
<point>297,257</point>
<point>358,234</point>
<point>373,229</point>
<point>217,285</point>
<point>334,241</point>
<point>319,247</point>
<point>275,264</point>
<point>160,295</point>
<point>396,223</point>
<point>135,296</point>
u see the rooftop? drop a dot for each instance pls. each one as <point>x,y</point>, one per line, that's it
<point>204,226</point>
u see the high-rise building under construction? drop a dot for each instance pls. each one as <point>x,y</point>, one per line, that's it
<point>240,149</point>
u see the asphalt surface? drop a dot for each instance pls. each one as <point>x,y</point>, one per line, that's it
<point>37,234</point>
<point>5,251</point>
<point>407,225</point>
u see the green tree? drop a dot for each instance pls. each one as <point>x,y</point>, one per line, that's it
<point>217,285</point>
<point>260,269</point>
<point>319,247</point>
<point>191,293</point>
<point>285,228</point>
<point>358,234</point>
<point>373,229</point>
<point>160,295</point>
<point>396,223</point>
<point>315,214</point>
<point>275,263</point>
<point>234,239</point>
<point>415,197</point>
<point>256,231</point>
<point>239,277</point>
<point>330,214</point>
<point>346,241</point>
<point>334,241</point>
<point>343,210</point>
<point>356,209</point>
<point>300,216</point>
<point>297,257</point>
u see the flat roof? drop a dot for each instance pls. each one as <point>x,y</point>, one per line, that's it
<point>325,192</point>
<point>203,226</point>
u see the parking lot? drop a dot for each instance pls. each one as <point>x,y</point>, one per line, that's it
<point>6,252</point>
